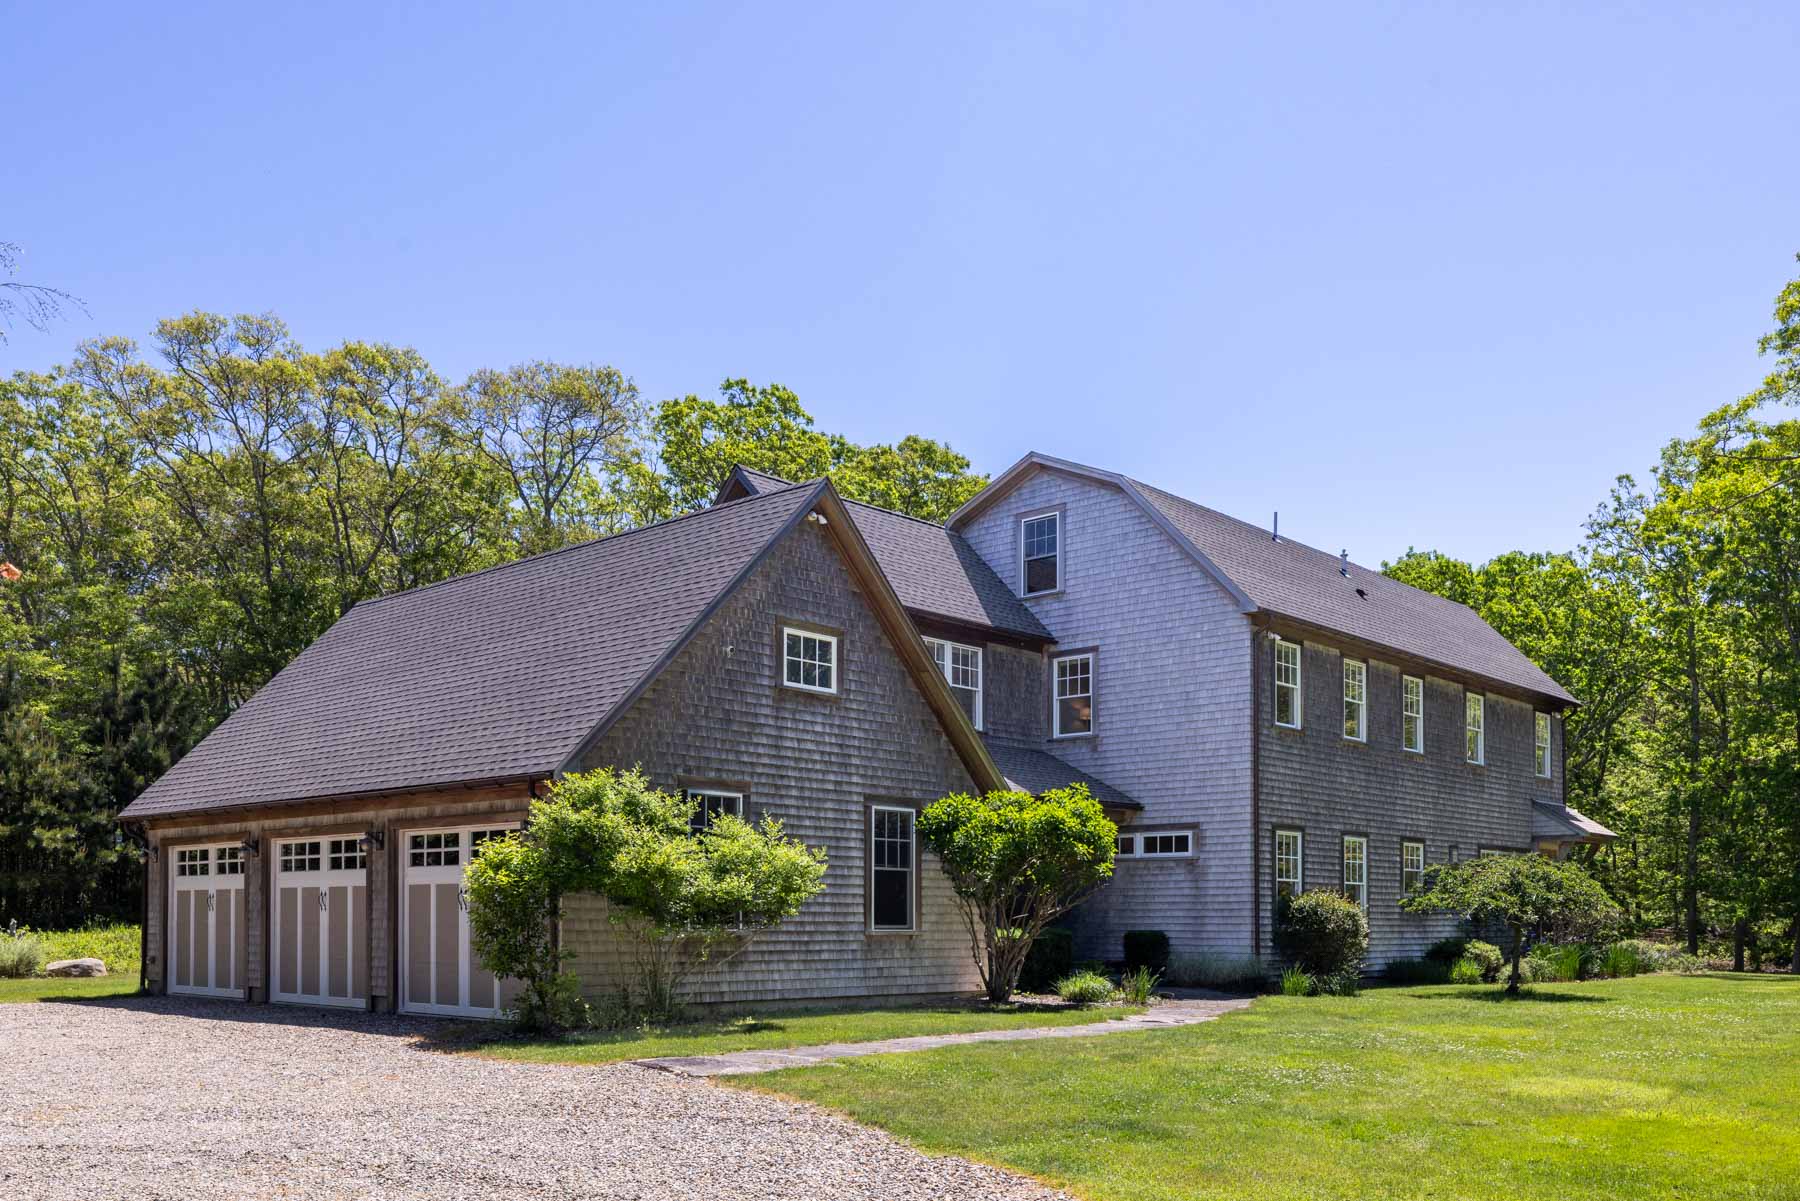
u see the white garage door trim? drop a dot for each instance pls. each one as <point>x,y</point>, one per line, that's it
<point>206,945</point>
<point>439,974</point>
<point>319,921</point>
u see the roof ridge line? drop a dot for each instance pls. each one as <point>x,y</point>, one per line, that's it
<point>563,550</point>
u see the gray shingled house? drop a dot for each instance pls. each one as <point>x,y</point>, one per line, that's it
<point>1257,715</point>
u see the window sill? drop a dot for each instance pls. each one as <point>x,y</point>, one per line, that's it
<point>890,933</point>
<point>1040,595</point>
<point>1071,737</point>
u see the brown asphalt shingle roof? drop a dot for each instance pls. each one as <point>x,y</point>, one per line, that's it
<point>933,570</point>
<point>1294,580</point>
<point>496,675</point>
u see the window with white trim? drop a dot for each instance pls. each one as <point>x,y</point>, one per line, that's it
<point>1412,714</point>
<point>1474,728</point>
<point>1175,845</point>
<point>1290,869</point>
<point>438,849</point>
<point>892,853</point>
<point>809,659</point>
<point>1074,701</point>
<point>1356,700</point>
<point>1542,739</point>
<point>1040,553</point>
<point>230,861</point>
<point>1287,684</point>
<point>1412,867</point>
<point>193,861</point>
<point>346,854</point>
<point>961,668</point>
<point>1356,869</point>
<point>709,804</point>
<point>1491,853</point>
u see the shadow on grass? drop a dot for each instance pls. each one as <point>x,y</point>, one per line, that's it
<point>1497,994</point>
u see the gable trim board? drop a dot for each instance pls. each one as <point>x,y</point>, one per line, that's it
<point>1275,592</point>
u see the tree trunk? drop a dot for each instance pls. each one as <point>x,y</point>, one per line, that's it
<point>1795,965</point>
<point>1690,882</point>
<point>1738,930</point>
<point>1518,953</point>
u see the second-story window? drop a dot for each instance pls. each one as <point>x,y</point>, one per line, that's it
<point>1542,738</point>
<point>1287,684</point>
<point>1040,553</point>
<point>1412,713</point>
<point>809,660</point>
<point>1356,700</point>
<point>961,667</point>
<point>1474,729</point>
<point>1073,709</point>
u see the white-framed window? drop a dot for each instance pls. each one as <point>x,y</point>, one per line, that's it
<point>1474,728</point>
<point>1040,553</point>
<point>440,848</point>
<point>1287,684</point>
<point>1290,864</point>
<point>809,660</point>
<point>1412,867</point>
<point>1177,844</point>
<point>345,854</point>
<point>229,861</point>
<point>193,861</point>
<point>710,803</point>
<point>1074,701</point>
<point>301,856</point>
<point>961,668</point>
<point>1491,852</point>
<point>1356,700</point>
<point>893,846</point>
<point>1542,739</point>
<point>1356,869</point>
<point>1412,714</point>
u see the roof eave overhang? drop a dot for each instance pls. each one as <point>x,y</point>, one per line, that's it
<point>370,796</point>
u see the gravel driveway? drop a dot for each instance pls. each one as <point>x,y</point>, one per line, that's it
<point>152,1098</point>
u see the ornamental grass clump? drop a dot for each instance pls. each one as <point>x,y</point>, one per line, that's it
<point>1085,988</point>
<point>1138,985</point>
<point>20,955</point>
<point>1296,983</point>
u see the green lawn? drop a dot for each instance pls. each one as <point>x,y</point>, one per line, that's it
<point>1661,1086</point>
<point>38,988</point>
<point>800,1028</point>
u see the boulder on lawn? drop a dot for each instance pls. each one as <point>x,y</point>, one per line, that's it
<point>75,967</point>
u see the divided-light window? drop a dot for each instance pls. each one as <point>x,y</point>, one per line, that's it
<point>1412,714</point>
<point>809,660</point>
<point>1356,869</point>
<point>1474,729</point>
<point>961,668</point>
<point>1542,739</point>
<point>1074,707</point>
<point>1289,870</point>
<point>1040,553</point>
<point>1287,684</point>
<point>1156,846</point>
<point>709,804</point>
<point>1356,700</point>
<point>1412,867</point>
<point>892,853</point>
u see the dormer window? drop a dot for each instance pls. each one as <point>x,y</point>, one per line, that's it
<point>1040,553</point>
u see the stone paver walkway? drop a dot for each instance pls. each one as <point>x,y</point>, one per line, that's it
<point>743,1063</point>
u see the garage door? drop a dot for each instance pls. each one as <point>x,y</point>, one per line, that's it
<point>439,974</point>
<point>206,921</point>
<point>320,923</point>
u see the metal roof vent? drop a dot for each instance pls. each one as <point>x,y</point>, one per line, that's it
<point>1344,563</point>
<point>1275,535</point>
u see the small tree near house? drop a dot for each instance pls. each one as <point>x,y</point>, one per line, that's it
<point>1528,894</point>
<point>683,900</point>
<point>1017,862</point>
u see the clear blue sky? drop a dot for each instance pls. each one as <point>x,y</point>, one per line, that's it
<point>1413,278</point>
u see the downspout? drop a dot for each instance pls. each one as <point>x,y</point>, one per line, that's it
<point>1257,630</point>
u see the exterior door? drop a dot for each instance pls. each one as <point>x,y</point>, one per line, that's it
<point>438,972</point>
<point>319,923</point>
<point>206,921</point>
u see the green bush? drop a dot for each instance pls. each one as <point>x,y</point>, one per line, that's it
<point>1085,988</point>
<point>1138,985</point>
<point>1146,948</point>
<point>1417,971</point>
<point>1467,971</point>
<point>1487,955</point>
<point>1296,983</point>
<point>21,955</point>
<point>1622,959</point>
<point>1570,961</point>
<point>1051,957</point>
<point>1324,933</point>
<point>1222,970</point>
<point>116,944</point>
